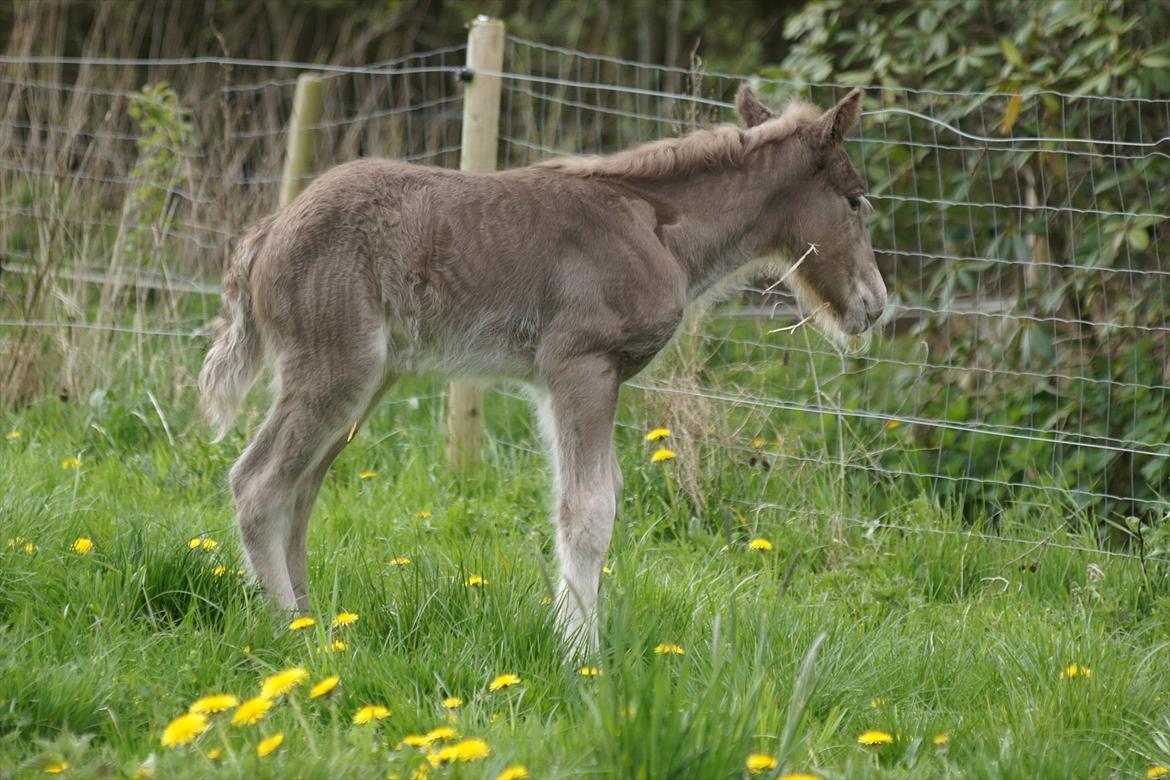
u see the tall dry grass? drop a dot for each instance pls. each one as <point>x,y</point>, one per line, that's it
<point>122,186</point>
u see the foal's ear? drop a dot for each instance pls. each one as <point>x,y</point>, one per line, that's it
<point>751,111</point>
<point>835,123</point>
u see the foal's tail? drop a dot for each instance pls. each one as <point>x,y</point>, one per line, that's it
<point>235,357</point>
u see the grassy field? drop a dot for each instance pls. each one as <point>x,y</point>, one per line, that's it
<point>967,651</point>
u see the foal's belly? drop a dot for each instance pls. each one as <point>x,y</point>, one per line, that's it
<point>472,362</point>
<point>490,348</point>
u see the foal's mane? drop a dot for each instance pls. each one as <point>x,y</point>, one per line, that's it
<point>714,147</point>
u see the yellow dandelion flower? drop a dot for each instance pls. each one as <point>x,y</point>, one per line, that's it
<point>452,702</point>
<point>1157,771</point>
<point>183,729</point>
<point>504,681</point>
<point>799,776</point>
<point>82,545</point>
<point>516,772</point>
<point>219,571</point>
<point>440,734</point>
<point>669,650</point>
<point>247,649</point>
<point>940,740</point>
<point>606,570</point>
<point>400,562</point>
<point>30,548</point>
<point>589,671</point>
<point>874,738</point>
<point>195,543</point>
<point>300,623</point>
<point>12,435</point>
<point>546,600</point>
<point>56,769</point>
<point>416,741</point>
<point>345,619</point>
<point>337,646</point>
<point>325,687</point>
<point>367,475</point>
<point>760,762</point>
<point>209,545</point>
<point>422,514</point>
<point>282,682</point>
<point>216,702</point>
<point>876,703</point>
<point>469,750</point>
<point>760,544</point>
<point>1072,672</point>
<point>663,454</point>
<point>241,572</point>
<point>370,713</point>
<point>658,433</point>
<point>893,424</point>
<point>269,744</point>
<point>214,753</point>
<point>252,711</point>
<point>71,463</point>
<point>759,443</point>
<point>475,581</point>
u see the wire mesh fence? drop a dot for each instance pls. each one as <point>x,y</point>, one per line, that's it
<point>120,199</point>
<point>1024,240</point>
<point>1025,365</point>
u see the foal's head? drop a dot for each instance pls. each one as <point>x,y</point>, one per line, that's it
<point>824,204</point>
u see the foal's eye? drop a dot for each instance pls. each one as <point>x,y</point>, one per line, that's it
<point>854,201</point>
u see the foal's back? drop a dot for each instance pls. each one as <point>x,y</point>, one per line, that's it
<point>464,273</point>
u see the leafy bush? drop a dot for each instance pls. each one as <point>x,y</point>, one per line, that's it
<point>1021,220</point>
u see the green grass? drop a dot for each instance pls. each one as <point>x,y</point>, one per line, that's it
<point>951,629</point>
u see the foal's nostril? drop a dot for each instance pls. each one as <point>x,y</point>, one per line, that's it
<point>872,308</point>
<point>875,304</point>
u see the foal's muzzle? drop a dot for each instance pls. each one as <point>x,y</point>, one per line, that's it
<point>868,305</point>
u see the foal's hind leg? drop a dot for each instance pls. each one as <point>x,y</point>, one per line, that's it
<point>295,554</point>
<point>322,393</point>
<point>583,398</point>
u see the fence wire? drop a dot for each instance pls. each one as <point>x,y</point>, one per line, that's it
<point>1023,238</point>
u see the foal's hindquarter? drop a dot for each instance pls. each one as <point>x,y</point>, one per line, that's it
<point>568,276</point>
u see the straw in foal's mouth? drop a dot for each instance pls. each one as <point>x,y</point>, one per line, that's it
<point>791,328</point>
<point>812,250</point>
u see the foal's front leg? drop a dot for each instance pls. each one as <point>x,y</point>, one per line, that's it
<point>582,400</point>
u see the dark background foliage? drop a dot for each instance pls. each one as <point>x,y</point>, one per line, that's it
<point>735,36</point>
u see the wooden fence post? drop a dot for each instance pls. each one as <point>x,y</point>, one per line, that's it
<point>481,129</point>
<point>298,161</point>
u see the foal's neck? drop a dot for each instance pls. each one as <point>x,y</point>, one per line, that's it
<point>718,219</point>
